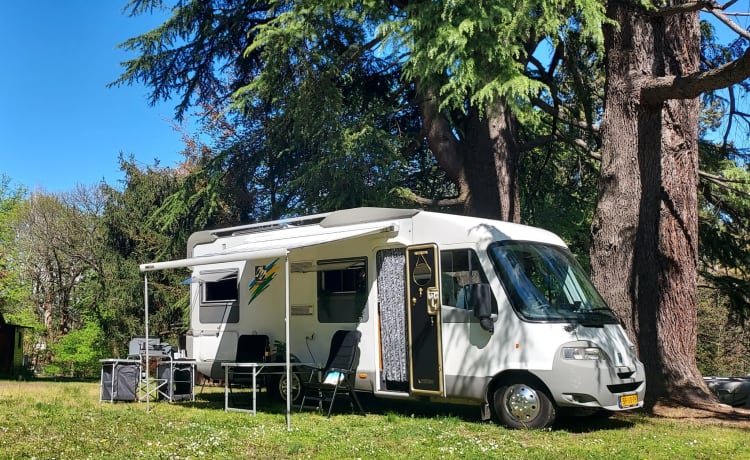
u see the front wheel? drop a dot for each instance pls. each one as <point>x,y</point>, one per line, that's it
<point>518,404</point>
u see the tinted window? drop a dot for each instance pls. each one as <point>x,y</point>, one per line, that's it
<point>219,294</point>
<point>342,290</point>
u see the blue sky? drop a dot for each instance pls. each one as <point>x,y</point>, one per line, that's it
<point>59,124</point>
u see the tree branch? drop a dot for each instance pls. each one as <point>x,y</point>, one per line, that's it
<point>730,119</point>
<point>548,109</point>
<point>660,89</point>
<point>721,16</point>
<point>687,7</point>
<point>366,47</point>
<point>431,202</point>
<point>721,181</point>
<point>577,143</point>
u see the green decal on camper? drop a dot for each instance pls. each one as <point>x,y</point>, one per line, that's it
<point>264,274</point>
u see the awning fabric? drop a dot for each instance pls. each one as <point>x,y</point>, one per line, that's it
<point>211,277</point>
<point>267,248</point>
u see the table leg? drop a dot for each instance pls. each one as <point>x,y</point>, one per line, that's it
<point>226,389</point>
<point>254,387</point>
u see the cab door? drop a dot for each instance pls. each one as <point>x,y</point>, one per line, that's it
<point>423,319</point>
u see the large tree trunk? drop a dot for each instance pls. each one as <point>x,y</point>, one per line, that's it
<point>492,158</point>
<point>483,163</point>
<point>645,229</point>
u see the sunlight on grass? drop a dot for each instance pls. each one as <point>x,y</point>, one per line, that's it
<point>65,420</point>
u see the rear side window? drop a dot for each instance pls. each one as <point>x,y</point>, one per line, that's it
<point>342,290</point>
<point>219,296</point>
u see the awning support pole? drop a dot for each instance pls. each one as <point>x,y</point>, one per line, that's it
<point>145,309</point>
<point>287,273</point>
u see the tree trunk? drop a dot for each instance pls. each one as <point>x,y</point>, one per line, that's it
<point>645,229</point>
<point>492,158</point>
<point>483,164</point>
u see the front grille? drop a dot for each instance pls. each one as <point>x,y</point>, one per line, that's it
<point>624,387</point>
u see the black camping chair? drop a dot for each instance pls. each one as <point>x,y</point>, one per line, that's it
<point>251,348</point>
<point>337,377</point>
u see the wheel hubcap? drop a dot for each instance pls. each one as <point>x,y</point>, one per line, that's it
<point>296,387</point>
<point>522,402</point>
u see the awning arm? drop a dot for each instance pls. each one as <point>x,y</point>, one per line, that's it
<point>215,259</point>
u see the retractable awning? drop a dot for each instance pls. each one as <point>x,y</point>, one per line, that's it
<point>267,248</point>
<point>271,244</point>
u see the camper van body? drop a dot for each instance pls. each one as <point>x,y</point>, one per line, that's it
<point>402,278</point>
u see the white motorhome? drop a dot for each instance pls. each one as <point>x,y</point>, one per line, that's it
<point>450,308</point>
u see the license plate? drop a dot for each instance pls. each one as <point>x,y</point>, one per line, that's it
<point>629,400</point>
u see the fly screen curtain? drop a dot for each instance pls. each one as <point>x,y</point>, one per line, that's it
<point>391,265</point>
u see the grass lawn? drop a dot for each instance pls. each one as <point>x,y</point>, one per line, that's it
<point>65,420</point>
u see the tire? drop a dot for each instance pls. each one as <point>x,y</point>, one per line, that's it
<point>520,404</point>
<point>277,388</point>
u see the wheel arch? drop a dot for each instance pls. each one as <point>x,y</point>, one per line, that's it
<point>515,375</point>
<point>531,404</point>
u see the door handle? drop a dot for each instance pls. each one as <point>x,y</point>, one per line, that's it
<point>433,301</point>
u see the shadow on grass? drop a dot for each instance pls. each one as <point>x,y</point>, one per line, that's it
<point>471,414</point>
<point>213,398</point>
<point>418,408</point>
<point>596,422</point>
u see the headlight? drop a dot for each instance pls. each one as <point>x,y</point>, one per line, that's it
<point>634,351</point>
<point>592,353</point>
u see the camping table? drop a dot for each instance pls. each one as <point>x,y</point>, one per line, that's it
<point>255,368</point>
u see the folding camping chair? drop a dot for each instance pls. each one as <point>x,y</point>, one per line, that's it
<point>337,376</point>
<point>251,348</point>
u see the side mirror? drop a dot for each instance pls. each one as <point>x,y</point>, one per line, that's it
<point>480,301</point>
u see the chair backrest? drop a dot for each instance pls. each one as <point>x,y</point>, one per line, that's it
<point>252,348</point>
<point>344,347</point>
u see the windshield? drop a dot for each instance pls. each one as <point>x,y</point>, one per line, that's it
<point>545,283</point>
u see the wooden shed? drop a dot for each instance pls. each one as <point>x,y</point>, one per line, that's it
<point>11,349</point>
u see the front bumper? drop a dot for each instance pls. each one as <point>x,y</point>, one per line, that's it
<point>596,384</point>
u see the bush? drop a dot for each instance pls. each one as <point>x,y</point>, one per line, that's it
<point>77,353</point>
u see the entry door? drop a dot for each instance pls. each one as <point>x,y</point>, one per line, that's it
<point>423,308</point>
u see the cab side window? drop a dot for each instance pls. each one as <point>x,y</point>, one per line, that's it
<point>460,269</point>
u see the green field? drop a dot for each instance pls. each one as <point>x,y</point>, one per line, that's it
<point>65,420</point>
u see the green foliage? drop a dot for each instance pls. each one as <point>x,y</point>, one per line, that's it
<point>312,127</point>
<point>13,294</point>
<point>477,51</point>
<point>189,53</point>
<point>133,237</point>
<point>128,214</point>
<point>57,240</point>
<point>725,224</point>
<point>77,353</point>
<point>559,194</point>
<point>723,337</point>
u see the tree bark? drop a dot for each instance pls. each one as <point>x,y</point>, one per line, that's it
<point>645,229</point>
<point>483,164</point>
